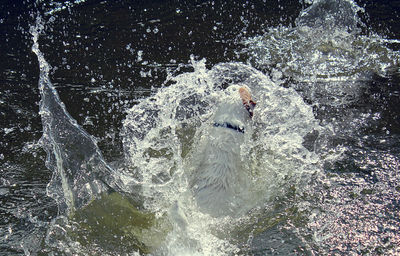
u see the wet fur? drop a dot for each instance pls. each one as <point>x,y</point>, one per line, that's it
<point>218,181</point>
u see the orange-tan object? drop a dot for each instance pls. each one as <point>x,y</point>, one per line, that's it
<point>248,103</point>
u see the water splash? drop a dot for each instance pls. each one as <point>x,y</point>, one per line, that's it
<point>164,135</point>
<point>332,62</point>
<point>79,171</point>
<point>326,45</point>
<point>329,60</point>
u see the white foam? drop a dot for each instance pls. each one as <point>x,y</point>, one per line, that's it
<point>162,135</point>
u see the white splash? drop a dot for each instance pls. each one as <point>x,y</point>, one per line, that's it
<point>164,133</point>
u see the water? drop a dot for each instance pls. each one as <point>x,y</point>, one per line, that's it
<point>121,96</point>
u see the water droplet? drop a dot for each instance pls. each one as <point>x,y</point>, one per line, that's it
<point>4,191</point>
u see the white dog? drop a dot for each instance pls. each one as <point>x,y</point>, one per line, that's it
<point>217,182</point>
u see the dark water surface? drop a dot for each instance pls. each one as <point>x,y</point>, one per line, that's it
<point>106,57</point>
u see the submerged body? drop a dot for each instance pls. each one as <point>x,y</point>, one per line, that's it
<point>218,181</point>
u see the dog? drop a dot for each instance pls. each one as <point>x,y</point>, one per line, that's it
<point>217,182</point>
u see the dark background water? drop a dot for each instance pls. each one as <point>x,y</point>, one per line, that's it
<point>101,53</point>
